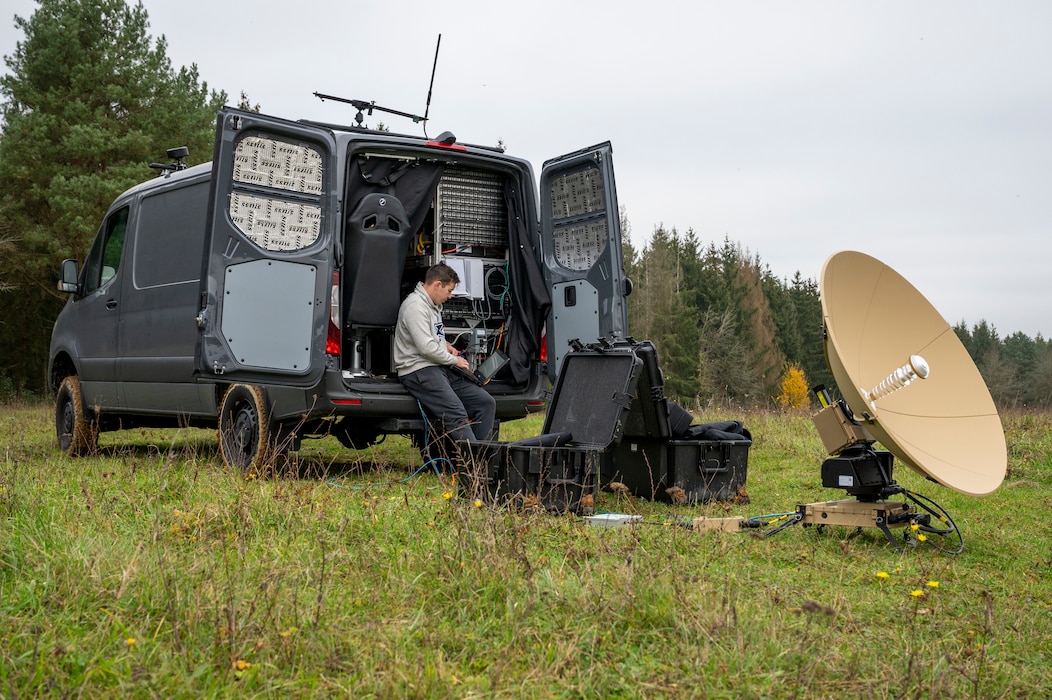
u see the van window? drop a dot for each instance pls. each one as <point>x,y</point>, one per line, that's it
<point>170,237</point>
<point>578,208</point>
<point>105,256</point>
<point>273,220</point>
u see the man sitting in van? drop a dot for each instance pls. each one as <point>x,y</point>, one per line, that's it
<point>426,363</point>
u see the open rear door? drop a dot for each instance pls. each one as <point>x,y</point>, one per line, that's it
<point>581,240</point>
<point>269,251</point>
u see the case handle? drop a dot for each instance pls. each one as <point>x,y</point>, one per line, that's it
<point>719,468</point>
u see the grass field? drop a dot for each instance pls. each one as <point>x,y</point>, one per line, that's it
<point>150,571</point>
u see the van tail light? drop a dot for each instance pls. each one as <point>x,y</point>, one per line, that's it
<point>332,340</point>
<point>544,347</point>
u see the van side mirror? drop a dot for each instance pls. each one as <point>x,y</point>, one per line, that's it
<point>68,280</point>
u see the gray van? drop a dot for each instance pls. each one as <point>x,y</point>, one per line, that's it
<point>258,294</point>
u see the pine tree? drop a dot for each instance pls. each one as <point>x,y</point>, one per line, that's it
<point>1021,354</point>
<point>804,294</point>
<point>1042,377</point>
<point>766,356</point>
<point>784,314</point>
<point>89,101</point>
<point>726,376</point>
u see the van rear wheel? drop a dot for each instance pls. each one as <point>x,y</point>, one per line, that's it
<point>78,435</point>
<point>245,430</point>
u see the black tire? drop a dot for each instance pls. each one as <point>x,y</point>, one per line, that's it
<point>77,432</point>
<point>245,430</point>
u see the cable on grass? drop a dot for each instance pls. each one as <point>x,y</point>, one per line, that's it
<point>767,519</point>
<point>940,513</point>
<point>431,462</point>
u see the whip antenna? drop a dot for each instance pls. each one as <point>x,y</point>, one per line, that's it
<point>434,66</point>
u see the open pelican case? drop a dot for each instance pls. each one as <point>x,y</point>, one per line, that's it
<point>559,469</point>
<point>608,421</point>
<point>655,460</point>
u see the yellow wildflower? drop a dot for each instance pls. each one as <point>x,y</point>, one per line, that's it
<point>240,665</point>
<point>130,642</point>
<point>447,495</point>
<point>478,504</point>
<point>914,527</point>
<point>933,584</point>
<point>917,593</point>
<point>883,574</point>
<point>922,537</point>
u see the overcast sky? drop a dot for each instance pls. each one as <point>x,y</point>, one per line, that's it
<point>919,132</point>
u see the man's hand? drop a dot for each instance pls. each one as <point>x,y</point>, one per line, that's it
<point>462,363</point>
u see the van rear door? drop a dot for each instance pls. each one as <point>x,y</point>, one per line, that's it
<point>581,241</point>
<point>269,251</point>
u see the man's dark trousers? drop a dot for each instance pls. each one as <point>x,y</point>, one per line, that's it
<point>464,408</point>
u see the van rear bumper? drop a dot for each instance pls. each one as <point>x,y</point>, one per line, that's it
<point>368,398</point>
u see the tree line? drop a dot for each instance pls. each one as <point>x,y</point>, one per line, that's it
<point>729,332</point>
<point>90,98</point>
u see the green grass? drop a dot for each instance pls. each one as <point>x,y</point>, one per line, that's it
<point>367,581</point>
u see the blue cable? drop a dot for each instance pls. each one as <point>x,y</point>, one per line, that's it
<point>429,462</point>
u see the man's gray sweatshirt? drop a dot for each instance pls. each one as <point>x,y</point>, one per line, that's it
<point>419,337</point>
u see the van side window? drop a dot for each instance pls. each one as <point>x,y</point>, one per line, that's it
<point>266,172</point>
<point>170,237</point>
<point>104,259</point>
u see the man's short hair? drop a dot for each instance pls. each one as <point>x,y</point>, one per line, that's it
<point>441,272</point>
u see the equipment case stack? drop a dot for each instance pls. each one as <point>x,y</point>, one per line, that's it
<point>560,469</point>
<point>608,422</point>
<point>655,464</point>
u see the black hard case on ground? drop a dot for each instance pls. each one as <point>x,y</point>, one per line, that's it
<point>560,469</point>
<point>653,465</point>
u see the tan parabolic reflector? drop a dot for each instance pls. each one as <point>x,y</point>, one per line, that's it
<point>945,426</point>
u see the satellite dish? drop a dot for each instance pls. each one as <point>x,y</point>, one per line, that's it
<point>902,370</point>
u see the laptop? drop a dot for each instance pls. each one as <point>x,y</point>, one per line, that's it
<point>486,369</point>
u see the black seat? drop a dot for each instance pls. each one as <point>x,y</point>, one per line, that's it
<point>377,244</point>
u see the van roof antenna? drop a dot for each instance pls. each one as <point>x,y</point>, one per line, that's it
<point>434,67</point>
<point>368,108</point>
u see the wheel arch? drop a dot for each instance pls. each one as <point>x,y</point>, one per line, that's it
<point>62,366</point>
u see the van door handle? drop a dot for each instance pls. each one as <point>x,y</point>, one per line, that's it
<point>111,304</point>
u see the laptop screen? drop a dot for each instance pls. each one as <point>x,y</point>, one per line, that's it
<point>491,365</point>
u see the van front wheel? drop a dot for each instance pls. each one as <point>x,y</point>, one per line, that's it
<point>77,434</point>
<point>245,429</point>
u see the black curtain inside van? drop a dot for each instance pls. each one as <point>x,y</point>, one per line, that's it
<point>531,302</point>
<point>413,183</point>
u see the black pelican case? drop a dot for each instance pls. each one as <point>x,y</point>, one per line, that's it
<point>560,469</point>
<point>653,462</point>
